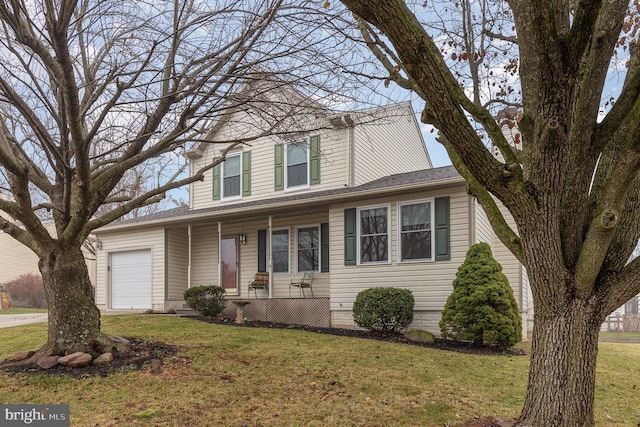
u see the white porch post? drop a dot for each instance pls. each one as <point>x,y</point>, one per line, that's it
<point>270,264</point>
<point>189,230</point>
<point>219,254</point>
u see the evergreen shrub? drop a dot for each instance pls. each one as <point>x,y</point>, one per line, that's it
<point>482,307</point>
<point>383,309</point>
<point>206,300</point>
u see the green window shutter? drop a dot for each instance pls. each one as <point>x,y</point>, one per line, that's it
<point>350,236</point>
<point>324,247</point>
<point>314,159</point>
<point>246,173</point>
<point>262,250</point>
<point>279,167</point>
<point>216,181</point>
<point>442,229</point>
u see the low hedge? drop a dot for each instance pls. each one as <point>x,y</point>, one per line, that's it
<point>206,300</point>
<point>383,309</point>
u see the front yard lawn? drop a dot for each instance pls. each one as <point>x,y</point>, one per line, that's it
<point>229,376</point>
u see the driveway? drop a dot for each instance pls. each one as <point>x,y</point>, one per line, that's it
<point>7,320</point>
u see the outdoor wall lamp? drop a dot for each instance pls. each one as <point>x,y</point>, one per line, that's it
<point>243,238</point>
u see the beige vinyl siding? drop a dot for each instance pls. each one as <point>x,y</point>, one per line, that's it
<point>333,168</point>
<point>483,230</point>
<point>511,267</point>
<point>150,238</point>
<point>177,262</point>
<point>430,282</point>
<point>204,255</point>
<point>389,145</point>
<point>16,259</point>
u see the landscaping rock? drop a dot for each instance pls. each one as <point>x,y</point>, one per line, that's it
<point>76,360</point>
<point>156,366</point>
<point>418,335</point>
<point>103,360</point>
<point>48,362</point>
<point>21,355</point>
<point>119,340</point>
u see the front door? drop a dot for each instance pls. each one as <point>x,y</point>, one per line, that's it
<point>229,251</point>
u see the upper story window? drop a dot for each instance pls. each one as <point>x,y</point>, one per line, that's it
<point>416,242</point>
<point>297,165</point>
<point>232,178</point>
<point>373,234</point>
<point>231,172</point>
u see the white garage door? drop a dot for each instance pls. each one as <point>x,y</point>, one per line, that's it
<point>131,279</point>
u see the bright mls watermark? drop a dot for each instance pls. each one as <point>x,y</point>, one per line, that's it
<point>34,415</point>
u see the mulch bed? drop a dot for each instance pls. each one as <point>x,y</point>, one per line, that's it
<point>441,344</point>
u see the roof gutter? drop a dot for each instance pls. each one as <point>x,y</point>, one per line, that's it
<point>346,194</point>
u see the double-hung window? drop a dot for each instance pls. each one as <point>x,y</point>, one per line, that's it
<point>416,241</point>
<point>374,239</point>
<point>280,251</point>
<point>297,170</point>
<point>308,249</point>
<point>231,176</point>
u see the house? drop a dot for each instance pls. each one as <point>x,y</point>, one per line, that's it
<point>353,199</point>
<point>16,259</point>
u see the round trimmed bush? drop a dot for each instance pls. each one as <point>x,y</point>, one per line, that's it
<point>206,300</point>
<point>383,309</point>
<point>482,308</point>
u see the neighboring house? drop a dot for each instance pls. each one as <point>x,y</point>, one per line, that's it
<point>16,259</point>
<point>359,205</point>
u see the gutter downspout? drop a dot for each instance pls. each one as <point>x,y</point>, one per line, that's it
<point>189,233</point>
<point>269,263</point>
<point>219,254</point>
<point>350,157</point>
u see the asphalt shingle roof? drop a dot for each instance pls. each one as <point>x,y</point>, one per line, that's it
<point>386,184</point>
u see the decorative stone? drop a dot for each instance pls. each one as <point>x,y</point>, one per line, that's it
<point>418,335</point>
<point>156,366</point>
<point>48,362</point>
<point>76,360</point>
<point>103,360</point>
<point>119,340</point>
<point>21,355</point>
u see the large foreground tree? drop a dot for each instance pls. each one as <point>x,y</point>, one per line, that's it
<point>93,90</point>
<point>573,189</point>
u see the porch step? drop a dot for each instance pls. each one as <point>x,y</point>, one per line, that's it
<point>187,312</point>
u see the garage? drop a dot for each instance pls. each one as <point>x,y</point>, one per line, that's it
<point>131,279</point>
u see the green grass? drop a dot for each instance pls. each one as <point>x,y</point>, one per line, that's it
<point>225,375</point>
<point>22,310</point>
<point>629,337</point>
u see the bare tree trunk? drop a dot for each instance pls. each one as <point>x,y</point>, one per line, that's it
<point>563,368</point>
<point>74,319</point>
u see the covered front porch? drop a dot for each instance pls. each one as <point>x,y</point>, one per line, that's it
<point>231,251</point>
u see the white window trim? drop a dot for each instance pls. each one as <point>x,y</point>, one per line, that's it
<point>389,226</point>
<point>286,167</point>
<point>317,227</point>
<point>222,196</point>
<point>399,226</point>
<point>274,230</point>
